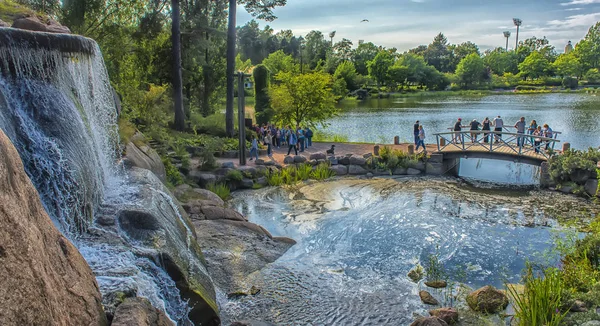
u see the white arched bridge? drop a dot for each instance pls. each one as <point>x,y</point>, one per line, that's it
<point>499,145</point>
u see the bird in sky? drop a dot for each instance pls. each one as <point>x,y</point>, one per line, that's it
<point>364,20</point>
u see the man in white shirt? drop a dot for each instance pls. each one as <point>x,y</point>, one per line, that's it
<point>520,125</point>
<point>498,125</point>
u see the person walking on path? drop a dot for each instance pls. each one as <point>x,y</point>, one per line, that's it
<point>457,130</point>
<point>421,141</point>
<point>254,148</point>
<point>486,127</point>
<point>416,132</point>
<point>292,140</point>
<point>498,125</point>
<point>520,125</point>
<point>474,127</point>
<point>269,142</point>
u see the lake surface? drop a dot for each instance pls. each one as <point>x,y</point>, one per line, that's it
<point>357,240</point>
<point>577,116</point>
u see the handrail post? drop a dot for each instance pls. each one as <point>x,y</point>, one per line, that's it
<point>437,138</point>
<point>462,139</point>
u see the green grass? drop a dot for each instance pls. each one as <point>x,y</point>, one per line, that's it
<point>325,137</point>
<point>541,301</point>
<point>303,172</point>
<point>322,172</point>
<point>234,175</point>
<point>275,179</point>
<point>222,190</point>
<point>10,10</point>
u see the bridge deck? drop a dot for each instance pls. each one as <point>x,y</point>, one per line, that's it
<point>508,145</point>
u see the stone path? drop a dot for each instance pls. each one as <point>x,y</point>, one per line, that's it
<point>340,149</point>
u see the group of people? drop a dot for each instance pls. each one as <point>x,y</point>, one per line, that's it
<point>535,130</point>
<point>297,139</point>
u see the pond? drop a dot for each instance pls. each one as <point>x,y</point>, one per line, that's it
<point>379,120</point>
<point>358,239</point>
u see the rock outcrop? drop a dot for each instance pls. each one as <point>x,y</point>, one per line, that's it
<point>45,280</point>
<point>487,300</point>
<point>33,23</point>
<point>143,156</point>
<point>427,298</point>
<point>449,315</point>
<point>139,312</point>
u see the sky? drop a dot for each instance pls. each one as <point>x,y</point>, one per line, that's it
<point>405,24</point>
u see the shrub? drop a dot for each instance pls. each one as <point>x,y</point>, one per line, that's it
<point>434,269</point>
<point>274,178</point>
<point>570,82</point>
<point>541,300</point>
<point>288,174</point>
<point>174,177</point>
<point>303,172</point>
<point>234,175</point>
<point>562,166</point>
<point>322,172</point>
<point>220,189</point>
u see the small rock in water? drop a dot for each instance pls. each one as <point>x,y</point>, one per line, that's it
<point>254,290</point>
<point>236,295</point>
<point>487,300</point>
<point>449,315</point>
<point>427,298</point>
<point>579,306</point>
<point>416,274</point>
<point>429,321</point>
<point>436,284</point>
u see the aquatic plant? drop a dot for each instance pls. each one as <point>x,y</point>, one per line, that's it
<point>222,190</point>
<point>541,301</point>
<point>434,269</point>
<point>274,178</point>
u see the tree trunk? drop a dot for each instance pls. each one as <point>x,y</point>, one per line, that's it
<point>177,79</point>
<point>230,69</point>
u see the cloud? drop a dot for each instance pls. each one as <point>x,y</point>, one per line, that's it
<point>574,9</point>
<point>576,21</point>
<point>579,2</point>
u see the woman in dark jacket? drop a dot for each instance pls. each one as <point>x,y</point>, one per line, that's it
<point>486,126</point>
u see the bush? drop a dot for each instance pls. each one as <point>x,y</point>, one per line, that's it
<point>541,300</point>
<point>322,172</point>
<point>174,177</point>
<point>562,166</point>
<point>220,189</point>
<point>274,178</point>
<point>303,172</point>
<point>570,82</point>
<point>234,175</point>
<point>593,76</point>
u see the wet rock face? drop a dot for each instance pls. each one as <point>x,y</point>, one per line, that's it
<point>139,312</point>
<point>141,155</point>
<point>449,315</point>
<point>487,300</point>
<point>45,280</point>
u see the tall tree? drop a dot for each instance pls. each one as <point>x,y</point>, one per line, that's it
<point>179,123</point>
<point>535,66</point>
<point>364,53</point>
<point>470,70</point>
<point>568,65</point>
<point>378,67</point>
<point>588,50</point>
<point>261,10</point>
<point>438,54</point>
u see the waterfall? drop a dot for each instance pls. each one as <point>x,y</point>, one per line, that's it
<point>57,106</point>
<point>58,109</point>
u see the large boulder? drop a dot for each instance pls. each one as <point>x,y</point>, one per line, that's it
<point>591,187</point>
<point>45,280</point>
<point>203,179</point>
<point>356,170</point>
<point>357,160</point>
<point>580,176</point>
<point>206,210</point>
<point>140,154</point>
<point>33,23</point>
<point>158,225</point>
<point>288,160</point>
<point>235,249</point>
<point>300,159</point>
<point>487,300</point>
<point>139,312</point>
<point>339,169</point>
<point>427,298</point>
<point>185,193</point>
<point>449,315</point>
<point>318,156</point>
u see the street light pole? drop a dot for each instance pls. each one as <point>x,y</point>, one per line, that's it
<point>242,116</point>
<point>507,35</point>
<point>518,22</point>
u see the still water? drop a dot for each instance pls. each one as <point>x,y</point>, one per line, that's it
<point>357,240</point>
<point>577,116</point>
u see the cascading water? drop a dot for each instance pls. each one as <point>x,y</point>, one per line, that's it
<point>58,109</point>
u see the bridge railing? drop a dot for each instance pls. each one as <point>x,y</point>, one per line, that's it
<point>496,141</point>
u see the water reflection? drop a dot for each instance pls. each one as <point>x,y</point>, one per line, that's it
<point>499,172</point>
<point>357,239</point>
<point>379,120</point>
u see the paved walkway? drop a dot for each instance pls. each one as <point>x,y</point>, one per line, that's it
<point>340,149</point>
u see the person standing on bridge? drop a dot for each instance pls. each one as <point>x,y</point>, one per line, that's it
<point>520,125</point>
<point>532,129</point>
<point>416,132</point>
<point>421,141</point>
<point>498,125</point>
<point>474,127</point>
<point>548,134</point>
<point>537,141</point>
<point>486,127</point>
<point>457,130</point>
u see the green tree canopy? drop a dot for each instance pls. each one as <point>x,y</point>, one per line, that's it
<point>499,61</point>
<point>568,64</point>
<point>535,66</point>
<point>364,53</point>
<point>438,54</point>
<point>278,62</point>
<point>303,100</point>
<point>378,67</point>
<point>347,72</point>
<point>471,70</point>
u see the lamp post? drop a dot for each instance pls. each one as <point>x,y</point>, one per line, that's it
<point>507,35</point>
<point>517,23</point>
